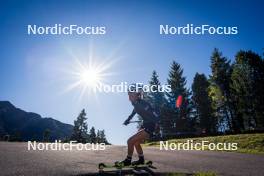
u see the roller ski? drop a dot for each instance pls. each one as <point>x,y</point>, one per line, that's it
<point>121,168</point>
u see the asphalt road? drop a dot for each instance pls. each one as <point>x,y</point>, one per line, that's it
<point>16,160</point>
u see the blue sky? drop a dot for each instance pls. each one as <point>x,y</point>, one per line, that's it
<point>33,69</point>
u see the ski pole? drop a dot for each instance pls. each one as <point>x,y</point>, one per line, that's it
<point>136,121</point>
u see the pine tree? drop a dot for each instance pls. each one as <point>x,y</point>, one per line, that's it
<point>177,120</point>
<point>247,88</point>
<point>80,128</point>
<point>202,104</point>
<point>156,98</point>
<point>177,82</point>
<point>222,122</point>
<point>98,137</point>
<point>103,137</point>
<point>221,79</point>
<point>92,135</point>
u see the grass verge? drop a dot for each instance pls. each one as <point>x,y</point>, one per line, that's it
<point>196,174</point>
<point>246,143</point>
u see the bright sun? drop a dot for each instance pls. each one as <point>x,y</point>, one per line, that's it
<point>90,77</point>
<point>85,74</point>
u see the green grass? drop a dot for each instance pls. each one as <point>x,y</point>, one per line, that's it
<point>246,143</point>
<point>196,174</point>
<point>205,174</point>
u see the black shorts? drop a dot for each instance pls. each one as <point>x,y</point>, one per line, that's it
<point>149,127</point>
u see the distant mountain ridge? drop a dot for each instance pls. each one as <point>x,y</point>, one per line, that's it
<point>25,126</point>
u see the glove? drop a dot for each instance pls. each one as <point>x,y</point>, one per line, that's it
<point>126,122</point>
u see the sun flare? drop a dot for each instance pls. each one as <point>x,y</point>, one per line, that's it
<point>87,73</point>
<point>90,77</point>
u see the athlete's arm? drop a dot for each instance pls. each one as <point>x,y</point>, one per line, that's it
<point>132,114</point>
<point>130,117</point>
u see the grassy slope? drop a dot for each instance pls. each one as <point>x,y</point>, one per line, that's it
<point>247,143</point>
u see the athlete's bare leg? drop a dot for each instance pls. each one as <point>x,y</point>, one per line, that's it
<point>138,148</point>
<point>135,141</point>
